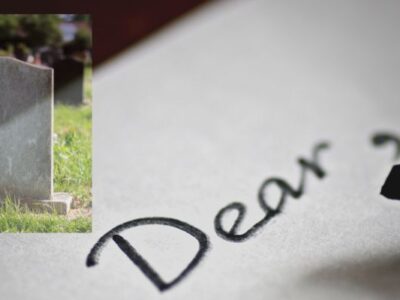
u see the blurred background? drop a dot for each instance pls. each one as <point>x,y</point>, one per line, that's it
<point>46,38</point>
<point>116,25</point>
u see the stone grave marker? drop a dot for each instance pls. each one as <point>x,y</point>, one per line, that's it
<point>26,131</point>
<point>68,81</point>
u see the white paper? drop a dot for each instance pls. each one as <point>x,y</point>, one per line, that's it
<point>198,117</point>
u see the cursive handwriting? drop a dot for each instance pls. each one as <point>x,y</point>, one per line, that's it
<point>231,235</point>
<point>138,260</point>
<point>286,190</point>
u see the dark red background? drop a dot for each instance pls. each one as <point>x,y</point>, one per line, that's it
<point>116,23</point>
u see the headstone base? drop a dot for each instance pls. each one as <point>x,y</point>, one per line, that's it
<point>60,203</point>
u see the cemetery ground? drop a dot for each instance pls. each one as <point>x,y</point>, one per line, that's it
<point>72,174</point>
<point>15,218</point>
<point>72,150</point>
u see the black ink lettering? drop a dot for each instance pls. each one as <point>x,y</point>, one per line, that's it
<point>285,188</point>
<point>232,235</point>
<point>383,138</point>
<point>138,260</point>
<point>391,187</point>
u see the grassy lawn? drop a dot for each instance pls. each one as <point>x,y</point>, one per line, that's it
<point>15,218</point>
<point>73,152</point>
<point>87,92</point>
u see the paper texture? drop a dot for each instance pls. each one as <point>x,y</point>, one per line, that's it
<point>198,117</point>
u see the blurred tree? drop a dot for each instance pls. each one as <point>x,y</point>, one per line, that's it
<point>41,30</point>
<point>21,51</point>
<point>83,39</point>
<point>8,30</point>
<point>82,18</point>
<point>24,35</point>
<point>81,42</point>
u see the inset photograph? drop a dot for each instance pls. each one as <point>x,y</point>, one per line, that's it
<point>45,123</point>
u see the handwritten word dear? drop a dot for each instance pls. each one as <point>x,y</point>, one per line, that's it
<point>286,190</point>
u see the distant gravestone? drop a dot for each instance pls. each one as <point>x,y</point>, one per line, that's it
<point>69,81</point>
<point>26,130</point>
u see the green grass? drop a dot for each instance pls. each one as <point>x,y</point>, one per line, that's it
<point>73,152</point>
<point>88,83</point>
<point>16,218</point>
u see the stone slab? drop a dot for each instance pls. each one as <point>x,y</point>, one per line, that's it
<point>59,203</point>
<point>26,121</point>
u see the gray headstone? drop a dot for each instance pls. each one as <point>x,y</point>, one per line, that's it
<point>69,81</point>
<point>26,121</point>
